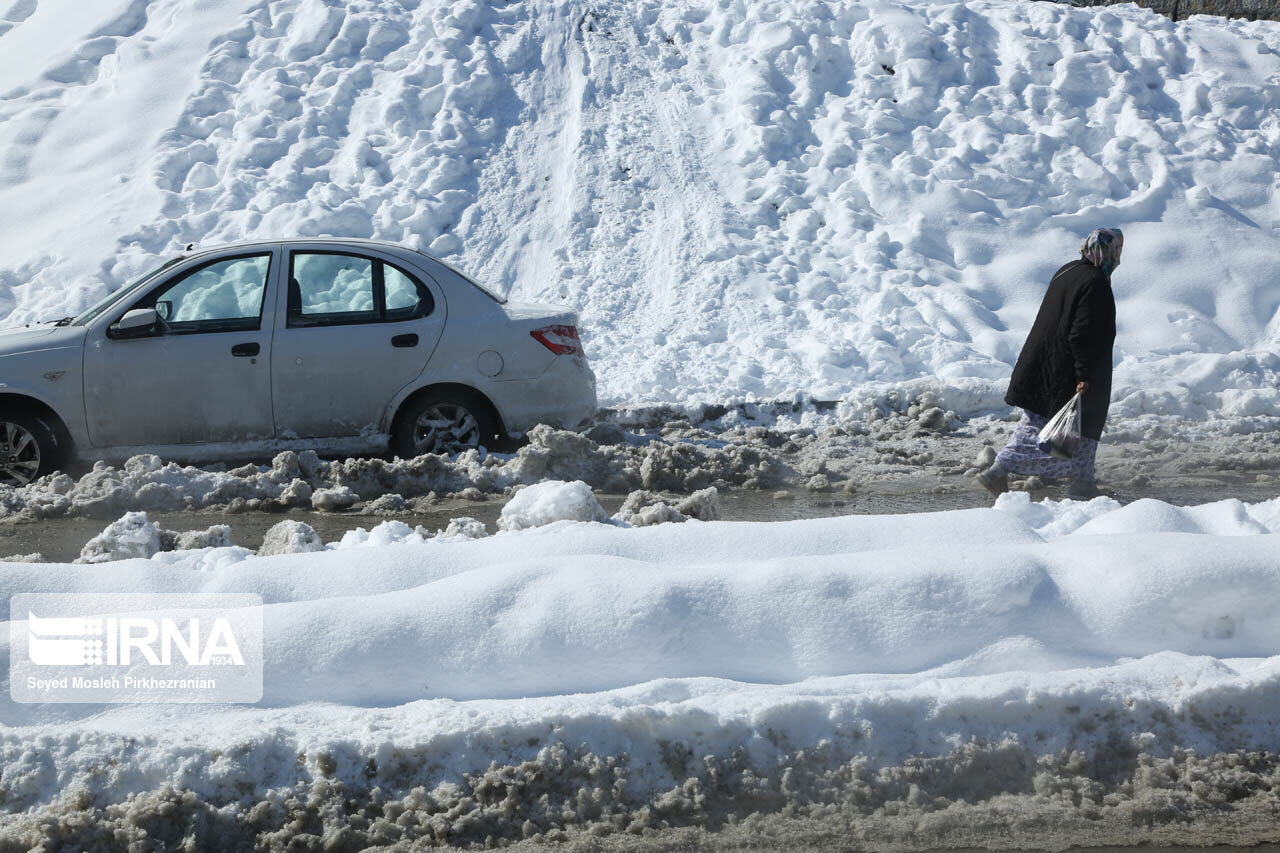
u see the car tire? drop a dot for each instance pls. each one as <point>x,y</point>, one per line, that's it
<point>448,421</point>
<point>29,448</point>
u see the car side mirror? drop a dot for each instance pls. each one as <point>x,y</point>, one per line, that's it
<point>137,323</point>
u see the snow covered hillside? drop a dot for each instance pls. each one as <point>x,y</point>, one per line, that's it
<point>1069,662</point>
<point>765,199</point>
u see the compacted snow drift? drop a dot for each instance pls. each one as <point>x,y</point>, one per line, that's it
<point>1084,663</point>
<point>743,200</point>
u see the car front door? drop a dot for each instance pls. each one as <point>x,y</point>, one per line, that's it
<point>352,330</point>
<point>202,373</point>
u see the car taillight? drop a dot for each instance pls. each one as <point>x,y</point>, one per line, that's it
<point>561,340</point>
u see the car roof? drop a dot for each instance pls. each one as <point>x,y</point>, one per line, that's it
<point>345,241</point>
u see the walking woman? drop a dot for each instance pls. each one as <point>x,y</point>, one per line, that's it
<point>1067,351</point>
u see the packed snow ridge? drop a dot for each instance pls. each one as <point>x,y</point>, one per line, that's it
<point>745,201</point>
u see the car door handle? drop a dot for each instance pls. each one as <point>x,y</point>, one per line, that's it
<point>404,341</point>
<point>245,350</point>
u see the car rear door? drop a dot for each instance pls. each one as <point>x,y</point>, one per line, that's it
<point>354,326</point>
<point>205,374</point>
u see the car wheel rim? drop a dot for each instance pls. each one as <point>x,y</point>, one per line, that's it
<point>19,454</point>
<point>445,428</point>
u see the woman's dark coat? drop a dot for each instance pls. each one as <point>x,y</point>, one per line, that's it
<point>1070,342</point>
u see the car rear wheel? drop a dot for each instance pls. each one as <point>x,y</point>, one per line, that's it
<point>444,422</point>
<point>28,448</point>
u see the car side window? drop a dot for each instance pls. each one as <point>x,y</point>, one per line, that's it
<point>327,289</point>
<point>406,297</point>
<point>223,296</point>
<point>331,288</point>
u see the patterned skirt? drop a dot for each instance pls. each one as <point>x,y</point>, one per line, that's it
<point>1022,454</point>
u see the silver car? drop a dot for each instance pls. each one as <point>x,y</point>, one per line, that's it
<point>342,346</point>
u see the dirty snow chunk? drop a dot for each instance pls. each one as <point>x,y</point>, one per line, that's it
<point>290,537</point>
<point>215,536</point>
<point>389,504</point>
<point>464,527</point>
<point>554,500</point>
<point>24,558</point>
<point>933,418</point>
<point>133,535</point>
<point>297,493</point>
<point>643,508</point>
<point>334,499</point>
<point>704,505</point>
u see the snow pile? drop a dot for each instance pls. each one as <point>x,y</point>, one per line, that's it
<point>389,504</point>
<point>642,508</point>
<point>333,500</point>
<point>386,533</point>
<point>591,678</point>
<point>294,479</point>
<point>549,502</point>
<point>574,780</point>
<point>564,609</point>
<point>796,198</point>
<point>290,537</point>
<point>133,535</point>
<point>464,528</point>
<point>215,536</point>
<point>1042,670</point>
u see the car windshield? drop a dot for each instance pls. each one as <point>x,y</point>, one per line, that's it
<point>112,298</point>
<point>468,279</point>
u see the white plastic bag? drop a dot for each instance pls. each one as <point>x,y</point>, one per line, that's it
<point>1061,435</point>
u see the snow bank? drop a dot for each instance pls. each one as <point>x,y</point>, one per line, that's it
<point>1121,664</point>
<point>744,201</point>
<point>594,607</point>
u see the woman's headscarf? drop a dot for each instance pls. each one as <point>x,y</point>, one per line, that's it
<point>1102,248</point>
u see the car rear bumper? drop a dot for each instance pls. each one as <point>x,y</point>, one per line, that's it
<point>563,396</point>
